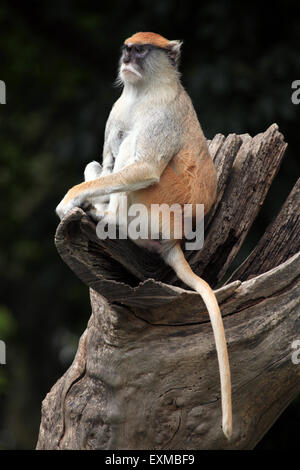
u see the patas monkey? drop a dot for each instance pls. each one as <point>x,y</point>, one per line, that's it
<point>155,153</point>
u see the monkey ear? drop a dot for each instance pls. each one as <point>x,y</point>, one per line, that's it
<point>174,51</point>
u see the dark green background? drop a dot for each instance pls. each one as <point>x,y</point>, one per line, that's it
<point>59,61</point>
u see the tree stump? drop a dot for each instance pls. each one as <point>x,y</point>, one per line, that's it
<point>145,375</point>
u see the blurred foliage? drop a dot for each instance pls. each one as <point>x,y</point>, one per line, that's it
<point>59,61</point>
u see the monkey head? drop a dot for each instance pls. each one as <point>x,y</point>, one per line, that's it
<point>147,54</point>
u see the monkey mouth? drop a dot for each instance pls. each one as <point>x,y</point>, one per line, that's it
<point>130,69</point>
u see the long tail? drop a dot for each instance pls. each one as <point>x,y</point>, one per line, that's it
<point>175,258</point>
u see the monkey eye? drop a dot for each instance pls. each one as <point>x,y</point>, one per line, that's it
<point>141,50</point>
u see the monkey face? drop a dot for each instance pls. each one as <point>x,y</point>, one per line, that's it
<point>133,61</point>
<point>147,55</point>
<point>141,62</point>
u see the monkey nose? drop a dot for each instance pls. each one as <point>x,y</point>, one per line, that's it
<point>126,59</point>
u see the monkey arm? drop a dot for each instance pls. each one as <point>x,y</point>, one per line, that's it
<point>152,146</point>
<point>131,178</point>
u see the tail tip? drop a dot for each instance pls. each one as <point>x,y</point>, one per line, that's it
<point>227,430</point>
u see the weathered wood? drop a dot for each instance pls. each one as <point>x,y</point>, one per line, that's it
<point>146,385</point>
<point>280,241</point>
<point>78,245</point>
<point>145,375</point>
<point>256,163</point>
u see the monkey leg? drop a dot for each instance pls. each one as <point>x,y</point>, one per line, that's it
<point>96,211</point>
<point>92,171</point>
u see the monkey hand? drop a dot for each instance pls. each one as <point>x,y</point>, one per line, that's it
<point>73,198</point>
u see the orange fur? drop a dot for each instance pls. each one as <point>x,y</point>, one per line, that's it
<point>148,38</point>
<point>185,179</point>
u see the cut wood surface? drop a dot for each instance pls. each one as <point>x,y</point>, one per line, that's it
<point>145,375</point>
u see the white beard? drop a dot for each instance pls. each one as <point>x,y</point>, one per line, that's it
<point>129,73</point>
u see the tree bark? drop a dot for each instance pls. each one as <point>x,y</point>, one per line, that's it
<point>145,375</point>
